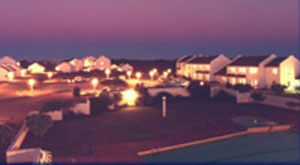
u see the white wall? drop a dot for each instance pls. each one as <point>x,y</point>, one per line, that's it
<point>217,64</point>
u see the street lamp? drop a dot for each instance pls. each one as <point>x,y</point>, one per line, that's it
<point>50,75</point>
<point>169,70</point>
<point>107,72</point>
<point>151,74</point>
<point>94,83</point>
<point>138,75</point>
<point>166,74</point>
<point>31,83</point>
<point>129,73</point>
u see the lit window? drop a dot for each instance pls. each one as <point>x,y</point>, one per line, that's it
<point>253,70</point>
<point>275,71</point>
<point>207,67</point>
<point>224,79</point>
<point>254,82</point>
<point>200,76</point>
<point>233,81</point>
<point>207,77</point>
<point>242,70</point>
<point>232,69</point>
<point>243,81</point>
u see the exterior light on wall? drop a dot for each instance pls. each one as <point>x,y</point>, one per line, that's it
<point>138,75</point>
<point>129,73</point>
<point>10,76</point>
<point>50,75</point>
<point>107,73</point>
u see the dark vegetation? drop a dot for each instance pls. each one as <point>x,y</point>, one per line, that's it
<point>242,88</point>
<point>198,91</point>
<point>257,96</point>
<point>38,124</point>
<point>278,88</point>
<point>7,133</point>
<point>146,65</point>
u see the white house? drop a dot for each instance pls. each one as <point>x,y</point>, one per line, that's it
<point>6,60</point>
<point>181,65</point>
<point>126,67</point>
<point>203,68</point>
<point>88,63</point>
<point>283,70</point>
<point>36,68</point>
<point>3,73</point>
<point>65,67</point>
<point>102,63</point>
<point>245,70</point>
<point>78,64</point>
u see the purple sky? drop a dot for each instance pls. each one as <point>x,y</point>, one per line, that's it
<point>62,29</point>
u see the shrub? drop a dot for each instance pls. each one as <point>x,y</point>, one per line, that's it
<point>144,97</point>
<point>277,88</point>
<point>40,78</point>
<point>242,88</point>
<point>76,92</point>
<point>39,124</point>
<point>297,88</point>
<point>257,96</point>
<point>114,82</point>
<point>7,133</point>
<point>228,85</point>
<point>225,97</point>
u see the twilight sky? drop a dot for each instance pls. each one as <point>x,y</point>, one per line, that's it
<point>147,29</point>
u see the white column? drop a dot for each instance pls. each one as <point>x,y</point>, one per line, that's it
<point>164,106</point>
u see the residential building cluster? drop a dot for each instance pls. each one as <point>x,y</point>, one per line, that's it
<point>257,71</point>
<point>10,68</point>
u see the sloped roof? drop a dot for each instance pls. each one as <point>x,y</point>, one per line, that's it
<point>221,72</point>
<point>276,61</point>
<point>202,59</point>
<point>248,61</point>
<point>185,58</point>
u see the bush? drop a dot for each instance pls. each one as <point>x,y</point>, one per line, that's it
<point>198,91</point>
<point>145,98</point>
<point>277,88</point>
<point>257,96</point>
<point>228,85</point>
<point>39,124</point>
<point>7,133</point>
<point>242,88</point>
<point>76,92</point>
<point>114,82</point>
<point>297,88</point>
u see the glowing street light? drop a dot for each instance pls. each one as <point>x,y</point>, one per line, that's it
<point>107,72</point>
<point>50,75</point>
<point>151,74</point>
<point>138,75</point>
<point>129,97</point>
<point>169,70</point>
<point>10,76</point>
<point>129,73</point>
<point>166,74</point>
<point>31,83</point>
<point>94,83</point>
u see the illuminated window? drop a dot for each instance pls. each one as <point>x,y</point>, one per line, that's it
<point>207,77</point>
<point>253,70</point>
<point>224,79</point>
<point>242,81</point>
<point>233,81</point>
<point>254,82</point>
<point>242,70</point>
<point>287,71</point>
<point>200,76</point>
<point>232,69</point>
<point>275,71</point>
<point>207,67</point>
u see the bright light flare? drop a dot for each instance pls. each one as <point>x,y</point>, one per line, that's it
<point>151,74</point>
<point>31,83</point>
<point>138,75</point>
<point>50,75</point>
<point>23,72</point>
<point>94,83</point>
<point>129,73</point>
<point>107,72</point>
<point>130,97</point>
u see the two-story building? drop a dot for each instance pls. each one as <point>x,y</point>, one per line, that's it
<point>181,69</point>
<point>282,70</point>
<point>203,68</point>
<point>245,70</point>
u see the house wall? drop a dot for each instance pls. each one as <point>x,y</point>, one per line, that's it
<point>3,74</point>
<point>261,71</point>
<point>64,67</point>
<point>217,64</point>
<point>35,68</point>
<point>102,63</point>
<point>272,74</point>
<point>251,74</point>
<point>289,70</point>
